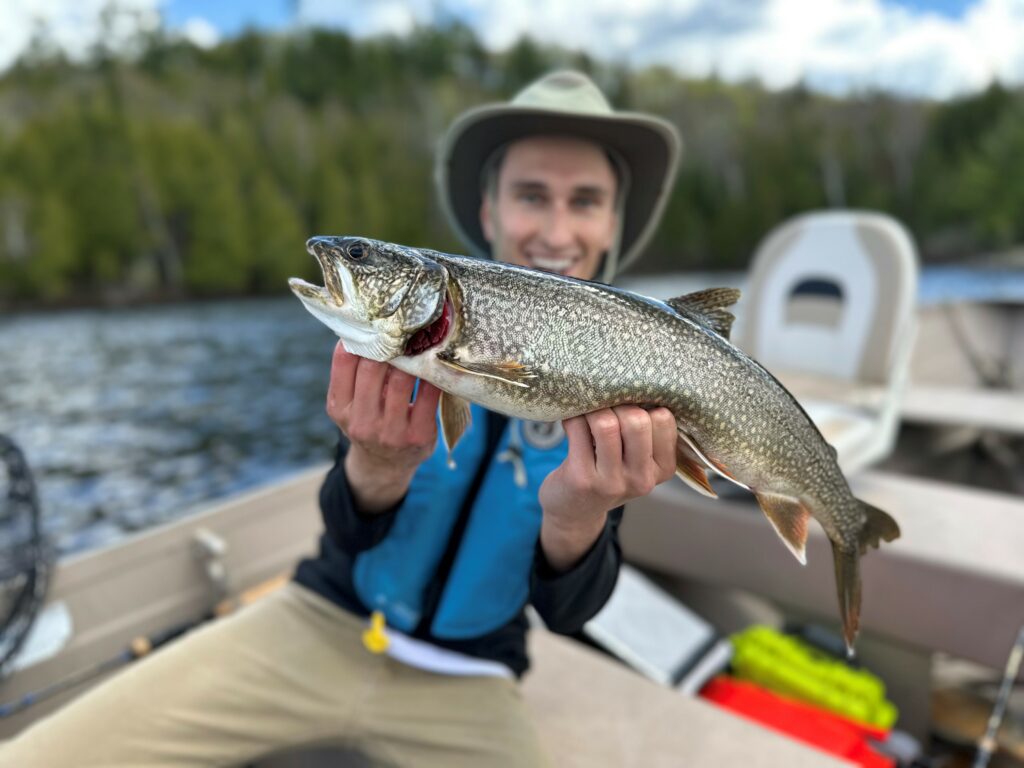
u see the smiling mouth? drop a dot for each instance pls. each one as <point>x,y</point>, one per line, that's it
<point>549,264</point>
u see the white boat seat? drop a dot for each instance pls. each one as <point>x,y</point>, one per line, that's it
<point>829,310</point>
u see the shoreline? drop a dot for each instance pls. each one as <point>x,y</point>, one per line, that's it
<point>990,270</point>
<point>30,309</point>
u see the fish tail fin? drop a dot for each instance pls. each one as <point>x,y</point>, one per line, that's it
<point>847,565</point>
<point>878,527</point>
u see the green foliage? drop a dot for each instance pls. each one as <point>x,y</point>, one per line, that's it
<point>986,193</point>
<point>183,171</point>
<point>276,238</point>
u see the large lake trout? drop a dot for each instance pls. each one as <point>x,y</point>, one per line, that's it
<point>539,346</point>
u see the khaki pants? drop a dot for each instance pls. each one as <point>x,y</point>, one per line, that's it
<point>288,671</point>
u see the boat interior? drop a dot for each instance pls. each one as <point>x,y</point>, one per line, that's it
<point>924,404</point>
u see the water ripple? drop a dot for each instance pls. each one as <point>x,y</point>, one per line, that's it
<point>130,418</point>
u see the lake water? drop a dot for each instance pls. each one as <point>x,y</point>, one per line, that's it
<point>133,417</point>
<point>129,418</point>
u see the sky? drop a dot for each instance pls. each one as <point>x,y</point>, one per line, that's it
<point>930,48</point>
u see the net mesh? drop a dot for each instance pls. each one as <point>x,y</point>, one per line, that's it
<point>25,556</point>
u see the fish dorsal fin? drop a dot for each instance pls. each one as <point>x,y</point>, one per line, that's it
<point>789,518</point>
<point>455,420</point>
<point>708,307</point>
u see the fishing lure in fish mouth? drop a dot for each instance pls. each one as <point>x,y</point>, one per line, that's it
<point>544,347</point>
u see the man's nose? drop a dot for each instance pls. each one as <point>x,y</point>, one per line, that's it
<point>558,232</point>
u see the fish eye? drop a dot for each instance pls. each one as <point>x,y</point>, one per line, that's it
<point>356,251</point>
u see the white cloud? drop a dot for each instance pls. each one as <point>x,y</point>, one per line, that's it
<point>200,32</point>
<point>365,18</point>
<point>833,45</point>
<point>74,25</point>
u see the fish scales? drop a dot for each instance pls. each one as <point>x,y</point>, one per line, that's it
<point>545,347</point>
<point>597,347</point>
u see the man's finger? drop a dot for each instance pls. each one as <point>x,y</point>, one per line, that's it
<point>398,397</point>
<point>635,424</point>
<point>424,411</point>
<point>664,438</point>
<point>369,386</point>
<point>343,377</point>
<point>604,426</point>
<point>581,444</point>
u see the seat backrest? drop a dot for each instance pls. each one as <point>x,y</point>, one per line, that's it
<point>832,293</point>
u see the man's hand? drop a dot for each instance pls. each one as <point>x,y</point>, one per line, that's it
<point>390,437</point>
<point>615,455</point>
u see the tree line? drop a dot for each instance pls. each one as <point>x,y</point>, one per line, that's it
<point>174,171</point>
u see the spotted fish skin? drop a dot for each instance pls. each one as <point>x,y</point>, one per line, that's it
<point>543,347</point>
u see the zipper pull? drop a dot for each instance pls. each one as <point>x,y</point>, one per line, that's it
<point>514,454</point>
<point>375,638</point>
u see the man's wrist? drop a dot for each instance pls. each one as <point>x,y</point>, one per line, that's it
<point>376,486</point>
<point>566,540</point>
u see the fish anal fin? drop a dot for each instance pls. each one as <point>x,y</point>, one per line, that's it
<point>708,307</point>
<point>692,471</point>
<point>508,371</point>
<point>455,420</point>
<point>790,519</point>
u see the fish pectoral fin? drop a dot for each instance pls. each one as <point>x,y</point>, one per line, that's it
<point>789,518</point>
<point>715,466</point>
<point>455,420</point>
<point>508,371</point>
<point>692,471</point>
<point>708,308</point>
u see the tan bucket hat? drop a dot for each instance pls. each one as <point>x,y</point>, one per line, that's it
<point>563,102</point>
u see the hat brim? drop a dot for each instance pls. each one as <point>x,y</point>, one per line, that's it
<point>649,147</point>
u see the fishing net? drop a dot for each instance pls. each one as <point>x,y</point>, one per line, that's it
<point>25,556</point>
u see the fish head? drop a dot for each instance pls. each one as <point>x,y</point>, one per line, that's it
<point>377,297</point>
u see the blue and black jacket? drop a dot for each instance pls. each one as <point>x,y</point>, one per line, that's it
<point>457,560</point>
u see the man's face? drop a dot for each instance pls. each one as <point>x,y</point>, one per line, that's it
<point>554,206</point>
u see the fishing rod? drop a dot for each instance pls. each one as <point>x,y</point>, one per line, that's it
<point>138,648</point>
<point>988,744</point>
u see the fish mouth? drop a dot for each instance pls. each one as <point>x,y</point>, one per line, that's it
<point>434,332</point>
<point>316,293</point>
<point>326,257</point>
<point>330,294</point>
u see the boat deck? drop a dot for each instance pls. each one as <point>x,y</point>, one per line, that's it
<point>591,710</point>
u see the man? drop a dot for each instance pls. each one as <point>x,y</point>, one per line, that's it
<point>446,560</point>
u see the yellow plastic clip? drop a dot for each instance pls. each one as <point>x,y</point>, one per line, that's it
<point>375,638</point>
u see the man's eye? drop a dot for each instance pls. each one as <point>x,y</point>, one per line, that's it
<point>584,202</point>
<point>531,197</point>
